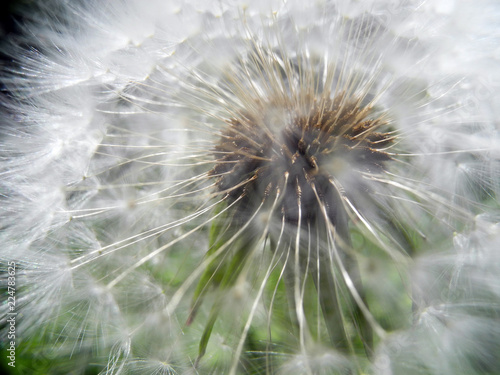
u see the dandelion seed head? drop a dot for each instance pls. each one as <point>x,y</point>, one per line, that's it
<point>254,187</point>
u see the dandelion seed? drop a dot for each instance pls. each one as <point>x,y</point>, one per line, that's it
<point>252,188</point>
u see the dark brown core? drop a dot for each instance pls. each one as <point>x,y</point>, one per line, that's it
<point>307,159</point>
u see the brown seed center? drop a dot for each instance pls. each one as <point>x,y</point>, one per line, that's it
<point>335,140</point>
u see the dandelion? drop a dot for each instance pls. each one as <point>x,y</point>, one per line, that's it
<point>232,188</point>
